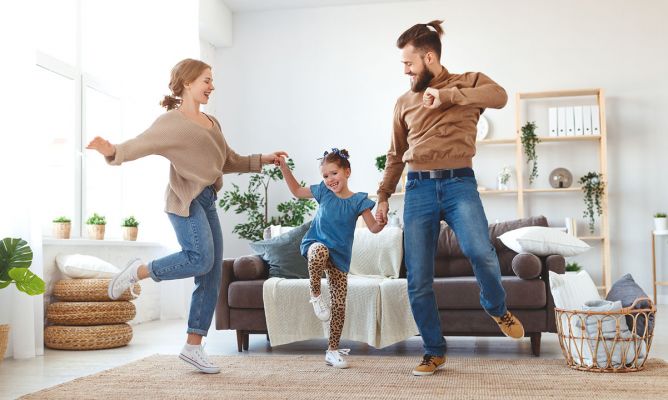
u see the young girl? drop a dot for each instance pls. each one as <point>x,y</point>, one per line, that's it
<point>199,155</point>
<point>328,243</point>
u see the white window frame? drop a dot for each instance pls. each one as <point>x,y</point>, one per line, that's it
<point>81,81</point>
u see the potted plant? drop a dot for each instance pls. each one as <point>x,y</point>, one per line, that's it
<point>660,222</point>
<point>15,259</point>
<point>529,142</point>
<point>504,178</point>
<point>62,226</point>
<point>254,202</point>
<point>130,228</point>
<point>380,162</point>
<point>573,267</point>
<point>95,226</point>
<point>593,188</point>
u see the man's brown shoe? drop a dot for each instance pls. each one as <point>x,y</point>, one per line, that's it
<point>429,365</point>
<point>510,325</point>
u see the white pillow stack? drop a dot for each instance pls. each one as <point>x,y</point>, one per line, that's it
<point>80,266</point>
<point>377,254</point>
<point>543,241</point>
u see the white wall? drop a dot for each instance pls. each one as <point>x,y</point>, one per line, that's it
<point>308,79</point>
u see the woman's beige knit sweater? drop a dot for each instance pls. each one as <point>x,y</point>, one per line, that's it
<point>198,156</point>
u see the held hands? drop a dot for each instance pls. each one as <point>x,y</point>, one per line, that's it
<point>431,98</point>
<point>103,146</point>
<point>281,163</point>
<point>381,213</point>
<point>272,158</point>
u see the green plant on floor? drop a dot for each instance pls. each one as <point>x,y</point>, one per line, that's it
<point>529,142</point>
<point>380,162</point>
<point>61,220</point>
<point>96,219</point>
<point>254,202</point>
<point>130,222</point>
<point>660,215</point>
<point>573,267</point>
<point>15,259</point>
<point>593,188</point>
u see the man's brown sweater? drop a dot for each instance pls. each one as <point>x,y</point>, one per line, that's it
<point>198,156</point>
<point>441,138</point>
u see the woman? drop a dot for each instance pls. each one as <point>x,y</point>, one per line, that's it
<point>195,146</point>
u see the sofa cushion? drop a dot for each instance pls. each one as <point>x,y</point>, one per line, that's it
<point>450,260</point>
<point>543,241</point>
<point>283,255</point>
<point>377,254</point>
<point>527,266</point>
<point>245,294</point>
<point>463,293</point>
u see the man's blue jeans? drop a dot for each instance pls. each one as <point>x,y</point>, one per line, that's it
<point>456,201</point>
<point>201,256</point>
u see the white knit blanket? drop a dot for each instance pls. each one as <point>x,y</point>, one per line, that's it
<point>377,311</point>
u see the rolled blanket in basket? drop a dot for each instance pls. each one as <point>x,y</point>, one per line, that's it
<point>609,342</point>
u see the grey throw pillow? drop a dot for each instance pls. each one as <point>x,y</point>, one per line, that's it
<point>626,290</point>
<point>282,253</point>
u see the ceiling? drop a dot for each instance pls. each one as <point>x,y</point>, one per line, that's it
<point>239,6</point>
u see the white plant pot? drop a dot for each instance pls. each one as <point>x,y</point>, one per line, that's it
<point>660,224</point>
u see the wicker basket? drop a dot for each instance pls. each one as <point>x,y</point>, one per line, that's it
<point>4,339</point>
<point>603,350</point>
<point>90,313</point>
<point>88,290</point>
<point>87,337</point>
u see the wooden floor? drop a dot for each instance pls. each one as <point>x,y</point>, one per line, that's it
<point>18,377</point>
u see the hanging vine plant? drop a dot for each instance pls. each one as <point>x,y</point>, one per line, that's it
<point>593,188</point>
<point>529,141</point>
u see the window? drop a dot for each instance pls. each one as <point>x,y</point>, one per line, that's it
<point>74,108</point>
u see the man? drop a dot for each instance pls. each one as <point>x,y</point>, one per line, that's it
<point>434,132</point>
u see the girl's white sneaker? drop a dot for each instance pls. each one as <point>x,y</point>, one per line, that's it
<point>320,308</point>
<point>333,358</point>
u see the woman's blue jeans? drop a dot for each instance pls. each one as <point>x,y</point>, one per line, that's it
<point>456,201</point>
<point>201,256</point>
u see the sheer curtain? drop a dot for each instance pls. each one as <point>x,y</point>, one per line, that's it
<point>134,45</point>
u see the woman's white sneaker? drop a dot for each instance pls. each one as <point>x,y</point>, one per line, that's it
<point>320,308</point>
<point>333,358</point>
<point>124,280</point>
<point>195,356</point>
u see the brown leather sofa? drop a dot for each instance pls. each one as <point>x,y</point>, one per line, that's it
<point>240,306</point>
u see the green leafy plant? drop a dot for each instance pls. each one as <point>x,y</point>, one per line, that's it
<point>573,267</point>
<point>660,215</point>
<point>593,188</point>
<point>61,220</point>
<point>254,202</point>
<point>15,259</point>
<point>130,222</point>
<point>96,219</point>
<point>504,175</point>
<point>380,162</point>
<point>529,141</point>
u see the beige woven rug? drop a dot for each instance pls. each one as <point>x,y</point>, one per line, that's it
<point>370,377</point>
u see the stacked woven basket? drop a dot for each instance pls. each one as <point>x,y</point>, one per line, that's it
<point>85,318</point>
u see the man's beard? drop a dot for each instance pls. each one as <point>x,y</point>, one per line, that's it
<point>421,81</point>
